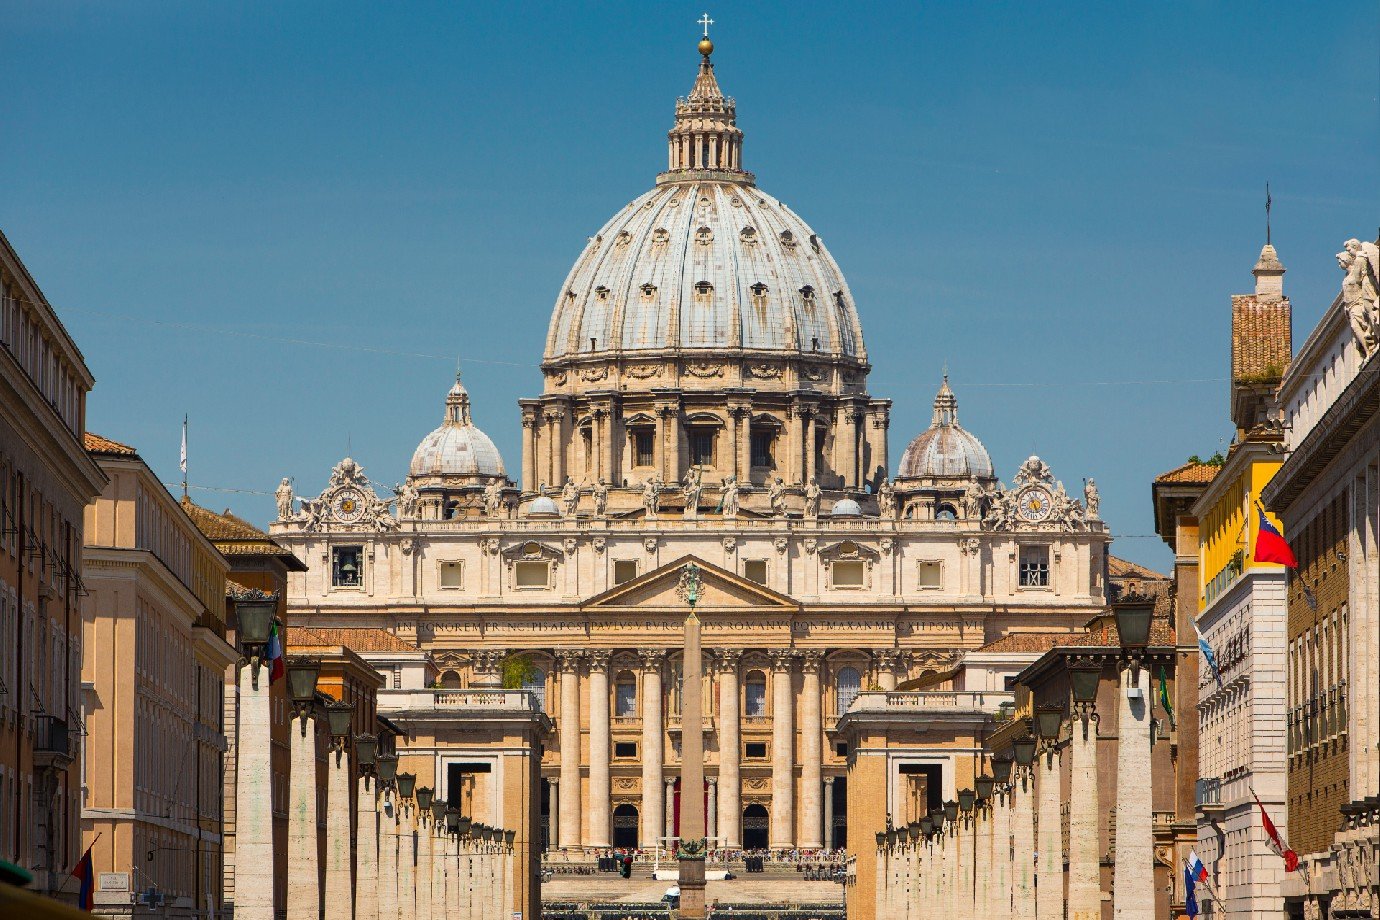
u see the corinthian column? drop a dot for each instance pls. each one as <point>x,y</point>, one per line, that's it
<point>304,880</point>
<point>599,806</point>
<point>1049,900</point>
<point>782,751</point>
<point>730,748</point>
<point>253,798</point>
<point>811,753</point>
<point>1085,882</point>
<point>1134,873</point>
<point>653,749</point>
<point>886,660</point>
<point>568,665</point>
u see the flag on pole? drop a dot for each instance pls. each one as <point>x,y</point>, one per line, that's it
<point>276,668</point>
<point>1195,865</point>
<point>1208,655</point>
<point>84,874</point>
<point>1270,545</point>
<point>1291,859</point>
<point>1190,895</point>
<point>1164,698</point>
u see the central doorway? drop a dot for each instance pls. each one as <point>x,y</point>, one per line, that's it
<point>625,827</point>
<point>755,826</point>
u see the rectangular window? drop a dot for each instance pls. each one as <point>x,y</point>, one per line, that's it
<point>930,575</point>
<point>851,574</point>
<point>531,574</point>
<point>761,448</point>
<point>755,570</point>
<point>347,566</point>
<point>755,750</point>
<point>841,748</point>
<point>642,447</point>
<point>452,574</point>
<point>701,447</point>
<point>756,699</point>
<point>624,570</point>
<point>625,749</point>
<point>625,699</point>
<point>1034,566</point>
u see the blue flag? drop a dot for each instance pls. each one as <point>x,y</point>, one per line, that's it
<point>1190,899</point>
<point>1207,654</point>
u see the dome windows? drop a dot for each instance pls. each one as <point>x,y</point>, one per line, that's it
<point>788,239</point>
<point>648,291</point>
<point>704,236</point>
<point>601,292</point>
<point>814,242</point>
<point>703,290</point>
<point>660,237</point>
<point>807,294</point>
<point>623,239</point>
<point>748,235</point>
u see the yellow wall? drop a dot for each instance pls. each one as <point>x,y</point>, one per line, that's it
<point>1221,532</point>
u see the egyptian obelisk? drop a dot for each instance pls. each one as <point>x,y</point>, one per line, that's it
<point>692,841</point>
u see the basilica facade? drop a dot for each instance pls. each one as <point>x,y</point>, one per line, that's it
<point>704,399</point>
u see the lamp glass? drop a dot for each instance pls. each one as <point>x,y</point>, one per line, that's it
<point>255,620</point>
<point>302,674</point>
<point>1001,770</point>
<point>1085,679</point>
<point>366,750</point>
<point>950,811</point>
<point>966,798</point>
<point>438,810</point>
<point>387,766</point>
<point>1024,750</point>
<point>407,782</point>
<point>984,785</point>
<point>453,820</point>
<point>424,797</point>
<point>927,825</point>
<point>881,839</point>
<point>1047,722</point>
<point>462,825</point>
<point>339,717</point>
<point>1133,624</point>
<point>509,837</point>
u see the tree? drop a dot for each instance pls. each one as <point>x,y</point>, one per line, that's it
<point>516,671</point>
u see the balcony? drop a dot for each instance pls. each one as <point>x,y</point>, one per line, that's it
<point>484,705</point>
<point>1207,797</point>
<point>52,743</point>
<point>933,706</point>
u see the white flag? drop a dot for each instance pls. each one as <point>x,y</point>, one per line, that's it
<point>183,462</point>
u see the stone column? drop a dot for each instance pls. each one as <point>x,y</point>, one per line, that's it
<point>811,753</point>
<point>730,749</point>
<point>407,862</point>
<point>503,898</point>
<point>1085,874</point>
<point>553,813</point>
<point>1023,848</point>
<point>366,850</point>
<point>455,889</point>
<point>253,799</point>
<point>967,838</point>
<point>828,812</point>
<point>653,734</point>
<point>670,807</point>
<point>304,879</point>
<point>848,443</point>
<point>745,447</point>
<point>782,751</point>
<point>568,665</point>
<point>388,858</point>
<point>734,440</point>
<point>529,451</point>
<point>600,809</point>
<point>1134,873</point>
<point>886,668</point>
<point>809,445</point>
<point>339,836</point>
<point>555,417</point>
<point>711,809</point>
<point>1049,900</point>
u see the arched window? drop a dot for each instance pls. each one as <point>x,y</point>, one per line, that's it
<point>625,695</point>
<point>847,684</point>
<point>945,513</point>
<point>450,680</point>
<point>536,682</point>
<point>755,694</point>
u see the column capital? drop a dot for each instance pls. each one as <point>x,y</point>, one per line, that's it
<point>670,782</point>
<point>810,661</point>
<point>726,660</point>
<point>553,781</point>
<point>781,658</point>
<point>887,658</point>
<point>568,660</point>
<point>598,658</point>
<point>713,781</point>
<point>651,659</point>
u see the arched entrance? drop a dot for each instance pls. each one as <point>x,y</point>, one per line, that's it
<point>755,826</point>
<point>625,827</point>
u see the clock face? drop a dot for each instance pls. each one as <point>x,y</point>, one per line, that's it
<point>1034,505</point>
<point>348,506</point>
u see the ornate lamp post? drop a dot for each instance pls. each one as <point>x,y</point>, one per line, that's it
<point>304,879</point>
<point>254,613</point>
<point>339,831</point>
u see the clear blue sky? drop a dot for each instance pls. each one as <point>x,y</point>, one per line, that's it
<point>1055,199</point>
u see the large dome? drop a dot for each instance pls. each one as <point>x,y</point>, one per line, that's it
<point>457,449</point>
<point>945,450</point>
<point>705,265</point>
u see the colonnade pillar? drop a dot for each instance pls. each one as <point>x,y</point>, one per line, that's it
<point>653,746</point>
<point>568,664</point>
<point>600,809</point>
<point>730,811</point>
<point>1134,873</point>
<point>783,751</point>
<point>811,753</point>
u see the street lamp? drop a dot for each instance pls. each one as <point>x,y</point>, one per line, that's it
<point>253,625</point>
<point>438,812</point>
<point>1048,719</point>
<point>1133,615</point>
<point>509,837</point>
<point>302,675</point>
<point>1001,770</point>
<point>387,767</point>
<point>927,826</point>
<point>950,811</point>
<point>463,825</point>
<point>407,782</point>
<point>966,798</point>
<point>1085,676</point>
<point>366,752</point>
<point>1024,749</point>
<point>984,785</point>
<point>881,840</point>
<point>453,821</point>
<point>339,717</point>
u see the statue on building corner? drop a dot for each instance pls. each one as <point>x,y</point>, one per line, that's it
<point>972,501</point>
<point>406,494</point>
<point>1361,293</point>
<point>284,496</point>
<point>493,498</point>
<point>1092,500</point>
<point>812,495</point>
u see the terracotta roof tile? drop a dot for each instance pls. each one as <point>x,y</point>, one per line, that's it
<point>355,638</point>
<point>1190,472</point>
<point>1261,338</point>
<point>235,536</point>
<point>96,444</point>
<point>1125,568</point>
<point>1032,642</point>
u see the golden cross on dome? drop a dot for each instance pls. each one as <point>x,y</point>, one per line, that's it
<point>705,21</point>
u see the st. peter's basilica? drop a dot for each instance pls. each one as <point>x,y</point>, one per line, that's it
<point>704,397</point>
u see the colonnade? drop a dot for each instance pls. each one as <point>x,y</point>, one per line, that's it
<point>580,820</point>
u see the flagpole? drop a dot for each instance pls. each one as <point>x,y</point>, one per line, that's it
<point>184,455</point>
<point>85,853</point>
<point>1208,888</point>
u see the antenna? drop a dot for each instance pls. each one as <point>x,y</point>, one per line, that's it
<point>1268,202</point>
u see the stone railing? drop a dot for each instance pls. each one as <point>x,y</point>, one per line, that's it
<point>931,701</point>
<point>485,699</point>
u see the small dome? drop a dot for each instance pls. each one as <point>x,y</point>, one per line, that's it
<point>846,507</point>
<point>457,448</point>
<point>945,450</point>
<point>542,506</point>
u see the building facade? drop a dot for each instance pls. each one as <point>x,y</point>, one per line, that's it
<point>1242,613</point>
<point>153,676</point>
<point>1327,493</point>
<point>46,479</point>
<point>704,397</point>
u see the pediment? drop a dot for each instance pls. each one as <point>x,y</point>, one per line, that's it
<point>720,589</point>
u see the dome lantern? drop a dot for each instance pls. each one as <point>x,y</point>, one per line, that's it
<point>706,142</point>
